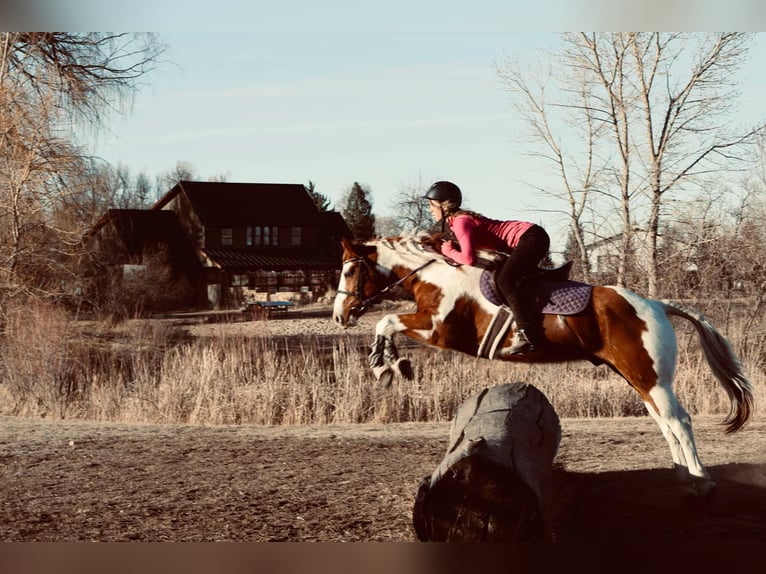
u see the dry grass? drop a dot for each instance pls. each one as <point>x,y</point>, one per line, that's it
<point>148,371</point>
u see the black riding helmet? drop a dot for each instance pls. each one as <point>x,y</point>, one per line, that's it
<point>445,191</point>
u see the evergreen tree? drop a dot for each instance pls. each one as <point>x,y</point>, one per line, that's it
<point>357,211</point>
<point>320,200</point>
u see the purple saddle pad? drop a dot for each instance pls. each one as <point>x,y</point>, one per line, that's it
<point>553,297</point>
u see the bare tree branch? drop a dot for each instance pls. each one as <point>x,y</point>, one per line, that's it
<point>48,83</point>
<point>655,108</point>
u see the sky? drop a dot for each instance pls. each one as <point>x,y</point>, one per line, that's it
<point>392,94</point>
<point>390,111</point>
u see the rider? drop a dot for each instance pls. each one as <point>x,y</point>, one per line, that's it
<point>526,243</point>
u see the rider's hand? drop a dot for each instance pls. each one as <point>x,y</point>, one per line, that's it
<point>451,243</point>
<point>449,260</point>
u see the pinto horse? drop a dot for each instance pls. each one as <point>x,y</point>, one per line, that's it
<point>631,334</point>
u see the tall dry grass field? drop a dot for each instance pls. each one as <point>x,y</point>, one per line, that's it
<point>154,372</point>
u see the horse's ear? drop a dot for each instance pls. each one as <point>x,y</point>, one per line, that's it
<point>355,249</point>
<point>348,246</point>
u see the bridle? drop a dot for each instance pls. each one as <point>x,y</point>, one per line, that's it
<point>358,310</point>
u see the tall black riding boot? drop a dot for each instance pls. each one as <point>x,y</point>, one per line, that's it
<point>522,312</point>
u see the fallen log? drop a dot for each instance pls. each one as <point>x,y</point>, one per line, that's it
<point>492,483</point>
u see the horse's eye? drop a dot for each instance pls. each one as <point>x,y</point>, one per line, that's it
<point>348,274</point>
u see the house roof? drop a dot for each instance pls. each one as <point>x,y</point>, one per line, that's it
<point>139,230</point>
<point>233,259</point>
<point>239,204</point>
<point>138,227</point>
<point>335,224</point>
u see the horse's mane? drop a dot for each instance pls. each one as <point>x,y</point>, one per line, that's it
<point>424,246</point>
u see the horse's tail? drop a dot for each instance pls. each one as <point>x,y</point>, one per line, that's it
<point>724,364</point>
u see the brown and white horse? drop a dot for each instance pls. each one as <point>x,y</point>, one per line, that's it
<point>631,334</point>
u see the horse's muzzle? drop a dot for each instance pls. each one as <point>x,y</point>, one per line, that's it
<point>344,312</point>
<point>345,320</point>
<point>344,317</point>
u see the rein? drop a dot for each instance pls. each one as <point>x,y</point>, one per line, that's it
<point>358,310</point>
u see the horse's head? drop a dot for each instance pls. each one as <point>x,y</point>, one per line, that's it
<point>358,282</point>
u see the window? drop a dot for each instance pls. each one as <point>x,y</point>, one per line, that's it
<point>227,236</point>
<point>266,235</point>
<point>249,236</point>
<point>295,236</point>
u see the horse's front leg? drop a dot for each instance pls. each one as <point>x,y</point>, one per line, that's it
<point>377,361</point>
<point>402,367</point>
<point>384,357</point>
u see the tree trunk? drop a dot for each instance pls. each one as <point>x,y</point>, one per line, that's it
<point>493,481</point>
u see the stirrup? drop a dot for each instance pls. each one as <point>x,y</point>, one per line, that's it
<point>520,344</point>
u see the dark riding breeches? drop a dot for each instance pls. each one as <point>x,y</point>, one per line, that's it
<point>510,278</point>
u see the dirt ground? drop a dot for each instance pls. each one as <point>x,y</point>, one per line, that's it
<point>91,481</point>
<point>85,481</point>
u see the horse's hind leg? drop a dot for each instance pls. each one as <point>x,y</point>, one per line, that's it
<point>676,426</point>
<point>644,351</point>
<point>679,460</point>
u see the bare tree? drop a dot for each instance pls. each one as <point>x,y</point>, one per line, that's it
<point>183,171</point>
<point>32,165</point>
<point>664,100</point>
<point>685,111</point>
<point>411,209</point>
<point>578,172</point>
<point>52,85</point>
<point>81,72</point>
<point>713,253</point>
<point>142,191</point>
<point>612,102</point>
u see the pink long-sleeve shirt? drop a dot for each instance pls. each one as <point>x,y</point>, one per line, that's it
<point>481,232</point>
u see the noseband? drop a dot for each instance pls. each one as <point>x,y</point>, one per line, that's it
<point>359,293</point>
<point>358,310</point>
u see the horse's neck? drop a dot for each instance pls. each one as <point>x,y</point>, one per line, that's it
<point>404,258</point>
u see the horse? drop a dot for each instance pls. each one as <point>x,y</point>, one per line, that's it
<point>631,334</point>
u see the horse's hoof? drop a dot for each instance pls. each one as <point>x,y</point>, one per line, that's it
<point>404,368</point>
<point>706,490</point>
<point>385,378</point>
<point>700,490</point>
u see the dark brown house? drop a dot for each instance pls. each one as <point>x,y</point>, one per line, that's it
<point>236,239</point>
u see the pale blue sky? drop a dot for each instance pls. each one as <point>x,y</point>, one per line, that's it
<point>389,110</point>
<point>389,94</point>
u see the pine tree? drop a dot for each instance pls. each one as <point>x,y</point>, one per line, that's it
<point>357,211</point>
<point>320,200</point>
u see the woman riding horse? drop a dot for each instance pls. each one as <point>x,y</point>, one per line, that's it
<point>617,327</point>
<point>526,243</point>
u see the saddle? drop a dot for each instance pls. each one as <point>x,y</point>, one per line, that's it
<point>555,294</point>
